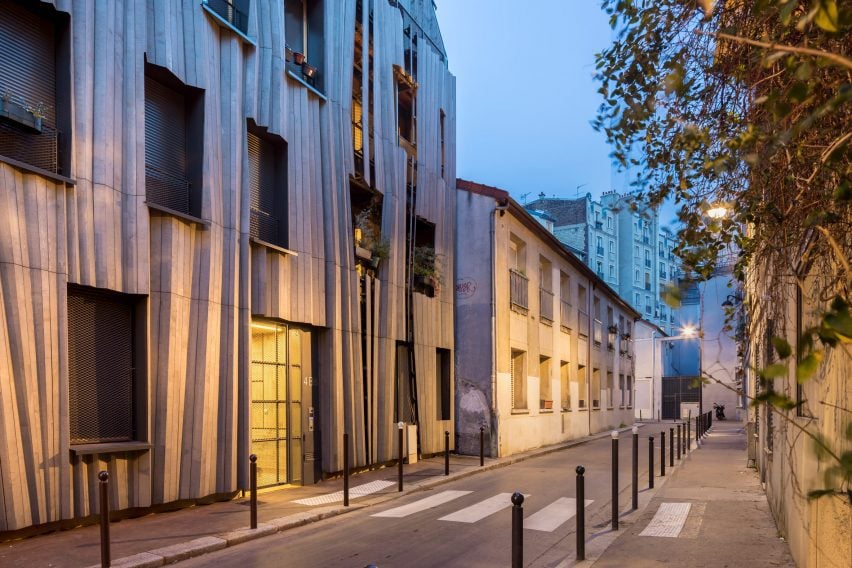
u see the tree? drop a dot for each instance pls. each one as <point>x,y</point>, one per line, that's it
<point>745,104</point>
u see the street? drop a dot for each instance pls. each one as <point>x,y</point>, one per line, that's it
<point>463,523</point>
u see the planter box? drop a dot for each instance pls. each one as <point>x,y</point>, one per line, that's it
<point>13,111</point>
<point>363,253</point>
<point>546,405</point>
<point>425,285</point>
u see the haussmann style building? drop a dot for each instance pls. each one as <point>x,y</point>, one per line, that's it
<point>226,227</point>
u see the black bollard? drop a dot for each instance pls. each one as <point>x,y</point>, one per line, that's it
<point>614,480</point>
<point>709,420</point>
<point>650,462</point>
<point>345,469</point>
<point>103,484</point>
<point>581,513</point>
<point>253,491</point>
<point>679,440</point>
<point>401,450</point>
<point>688,434</point>
<point>663,453</point>
<point>446,452</point>
<point>635,468</point>
<point>481,446</point>
<point>671,447</point>
<point>517,530</point>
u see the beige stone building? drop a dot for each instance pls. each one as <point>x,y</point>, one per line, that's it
<point>544,350</point>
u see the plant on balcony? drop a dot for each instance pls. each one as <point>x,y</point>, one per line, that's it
<point>16,109</point>
<point>424,268</point>
<point>370,245</point>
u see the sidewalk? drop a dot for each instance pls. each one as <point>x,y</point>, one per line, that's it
<point>158,539</point>
<point>714,513</point>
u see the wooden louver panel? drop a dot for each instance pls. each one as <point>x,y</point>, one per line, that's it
<point>165,147</point>
<point>100,367</point>
<point>265,219</point>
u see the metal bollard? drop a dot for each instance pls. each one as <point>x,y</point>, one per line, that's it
<point>481,446</point>
<point>581,513</point>
<point>663,453</point>
<point>614,480</point>
<point>679,440</point>
<point>446,452</point>
<point>345,469</point>
<point>650,462</point>
<point>253,491</point>
<point>635,468</point>
<point>103,484</point>
<point>400,425</point>
<point>517,530</point>
<point>671,447</point>
<point>709,420</point>
<point>688,434</point>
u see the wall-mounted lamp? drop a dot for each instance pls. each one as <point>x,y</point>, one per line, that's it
<point>730,301</point>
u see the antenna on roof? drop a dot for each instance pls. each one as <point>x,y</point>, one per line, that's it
<point>524,197</point>
<point>577,194</point>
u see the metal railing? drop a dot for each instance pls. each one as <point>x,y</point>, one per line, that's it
<point>264,226</point>
<point>230,13</point>
<point>565,314</point>
<point>546,304</point>
<point>518,290</point>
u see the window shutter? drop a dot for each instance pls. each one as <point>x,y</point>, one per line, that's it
<point>100,366</point>
<point>512,378</point>
<point>262,187</point>
<point>165,147</point>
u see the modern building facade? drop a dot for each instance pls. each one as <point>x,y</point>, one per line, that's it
<point>544,349</point>
<point>627,249</point>
<point>224,230</point>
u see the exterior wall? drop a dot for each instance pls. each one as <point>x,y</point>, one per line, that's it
<point>649,354</point>
<point>513,429</point>
<point>819,531</point>
<point>203,282</point>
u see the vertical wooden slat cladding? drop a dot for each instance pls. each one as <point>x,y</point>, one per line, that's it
<point>27,57</point>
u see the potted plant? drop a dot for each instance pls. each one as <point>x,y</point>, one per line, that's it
<point>298,57</point>
<point>309,71</point>
<point>613,329</point>
<point>288,53</point>
<point>16,109</point>
<point>424,269</point>
<point>370,246</point>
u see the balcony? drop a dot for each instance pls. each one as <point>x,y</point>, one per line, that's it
<point>518,291</point>
<point>545,305</point>
<point>565,315</point>
<point>583,323</point>
<point>230,13</point>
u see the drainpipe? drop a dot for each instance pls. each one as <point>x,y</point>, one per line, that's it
<point>495,414</point>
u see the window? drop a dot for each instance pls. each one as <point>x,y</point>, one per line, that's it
<point>609,389</point>
<point>647,280</point>
<point>612,246</point>
<point>636,254</point>
<point>303,34</point>
<point>621,389</point>
<point>629,391</point>
<point>609,223</point>
<point>518,282</point>
<point>648,304</point>
<point>443,362</point>
<point>637,277</point>
<point>406,110</point>
<point>174,141</point>
<point>35,86</point>
<point>565,385</point>
<point>545,386</point>
<point>267,161</point>
<point>104,354</point>
<point>404,403</point>
<point>545,275</point>
<point>518,377</point>
<point>612,271</point>
<point>582,299</point>
<point>599,266</point>
<point>637,300</point>
<point>600,246</point>
<point>582,386</point>
<point>596,388</point>
<point>234,12</point>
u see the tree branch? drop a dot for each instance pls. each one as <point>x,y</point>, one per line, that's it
<point>836,58</point>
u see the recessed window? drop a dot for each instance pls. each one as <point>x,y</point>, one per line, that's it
<point>518,378</point>
<point>174,142</point>
<point>545,386</point>
<point>443,362</point>
<point>267,161</point>
<point>103,356</point>
<point>406,109</point>
<point>596,388</point>
<point>35,85</point>
<point>565,385</point>
<point>303,29</point>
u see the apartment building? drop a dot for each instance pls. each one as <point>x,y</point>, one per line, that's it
<point>625,248</point>
<point>544,349</point>
<point>225,229</point>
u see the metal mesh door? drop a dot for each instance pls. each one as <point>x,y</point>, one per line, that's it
<point>100,366</point>
<point>269,402</point>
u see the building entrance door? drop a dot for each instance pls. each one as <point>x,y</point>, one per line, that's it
<point>283,404</point>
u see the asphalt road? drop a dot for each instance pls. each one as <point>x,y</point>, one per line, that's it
<point>358,539</point>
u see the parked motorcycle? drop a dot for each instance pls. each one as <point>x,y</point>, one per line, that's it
<point>720,411</point>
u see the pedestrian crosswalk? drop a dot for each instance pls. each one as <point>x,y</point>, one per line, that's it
<point>354,493</point>
<point>546,519</point>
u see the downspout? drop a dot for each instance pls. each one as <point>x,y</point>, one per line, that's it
<point>495,415</point>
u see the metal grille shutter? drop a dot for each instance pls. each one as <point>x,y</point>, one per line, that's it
<point>165,147</point>
<point>264,217</point>
<point>100,366</point>
<point>28,58</point>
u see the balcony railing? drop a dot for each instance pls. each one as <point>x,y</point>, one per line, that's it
<point>518,290</point>
<point>565,314</point>
<point>546,304</point>
<point>264,226</point>
<point>583,323</point>
<point>597,332</point>
<point>230,13</point>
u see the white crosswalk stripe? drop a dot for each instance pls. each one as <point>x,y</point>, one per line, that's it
<point>554,515</point>
<point>668,520</point>
<point>354,493</point>
<point>481,510</point>
<point>423,504</point>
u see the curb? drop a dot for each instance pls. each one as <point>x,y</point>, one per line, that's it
<point>190,549</point>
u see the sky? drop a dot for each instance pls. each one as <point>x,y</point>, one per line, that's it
<point>525,94</point>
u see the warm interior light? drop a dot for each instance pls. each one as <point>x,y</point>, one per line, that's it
<point>263,327</point>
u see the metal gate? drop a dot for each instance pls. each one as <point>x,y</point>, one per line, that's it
<point>677,390</point>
